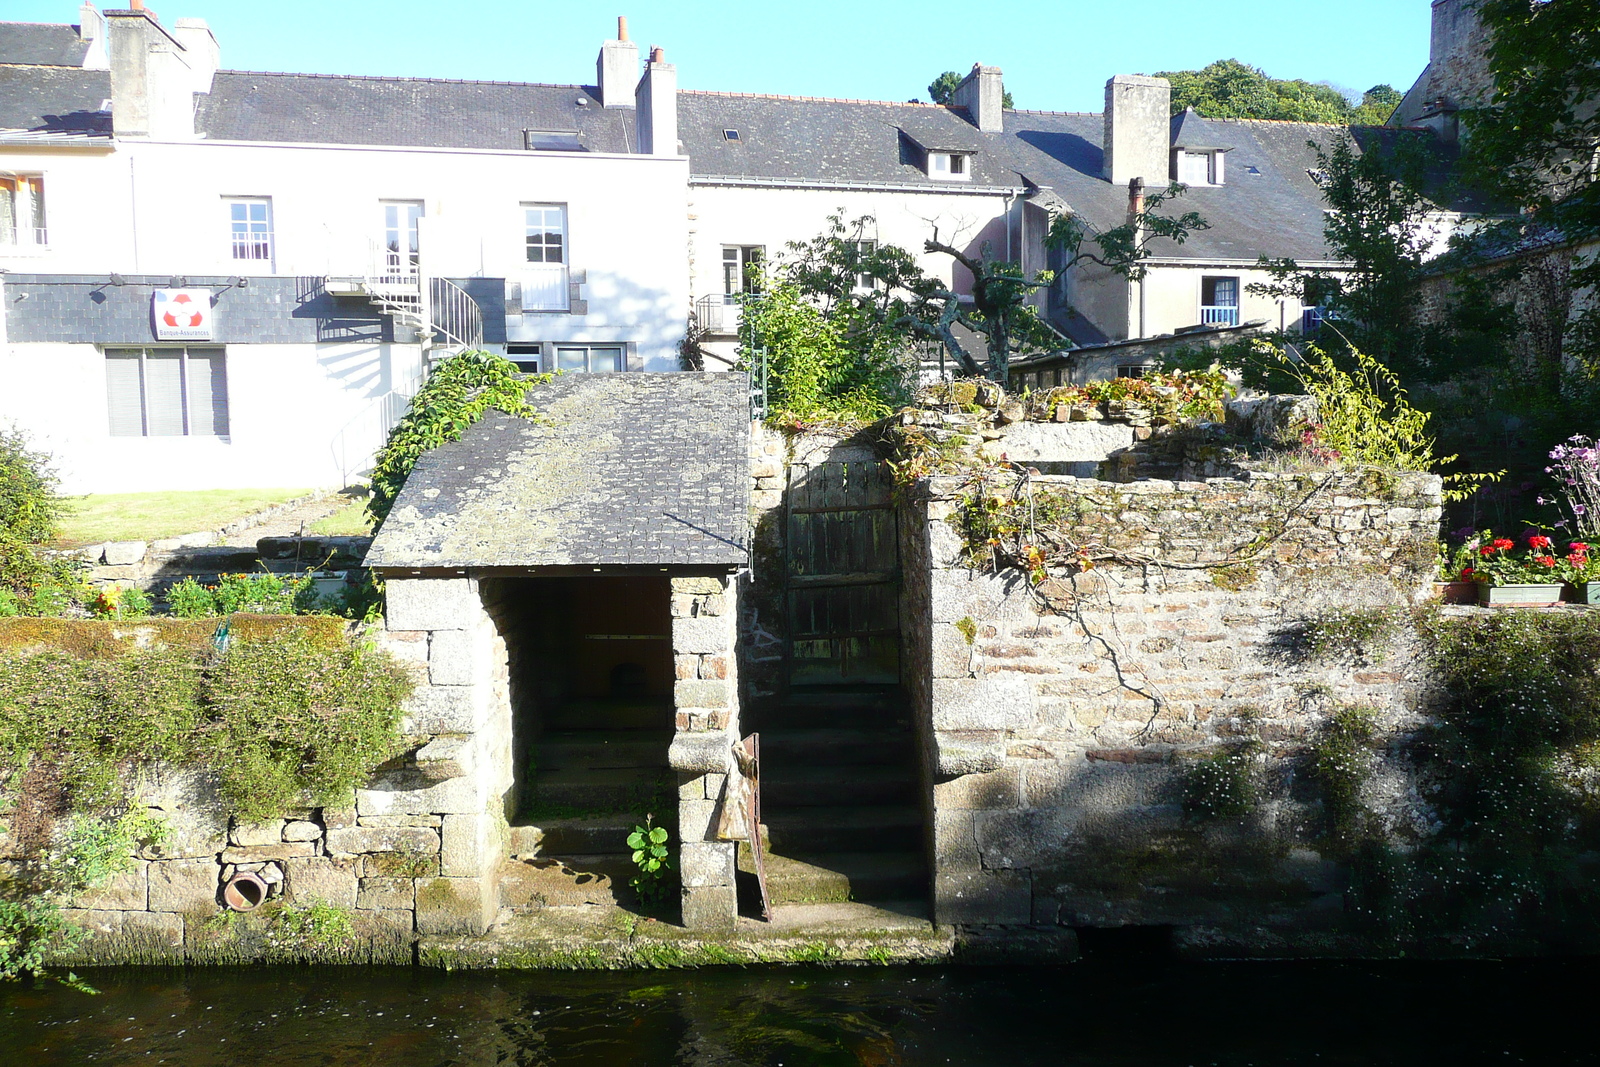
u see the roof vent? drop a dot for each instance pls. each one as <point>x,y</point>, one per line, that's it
<point>730,135</point>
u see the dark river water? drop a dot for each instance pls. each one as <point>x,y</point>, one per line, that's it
<point>1090,1013</point>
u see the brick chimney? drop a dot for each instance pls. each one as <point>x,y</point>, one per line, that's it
<point>154,76</point>
<point>1138,137</point>
<point>617,69</point>
<point>981,93</point>
<point>657,100</point>
<point>1457,75</point>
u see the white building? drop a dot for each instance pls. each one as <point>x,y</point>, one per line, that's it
<point>336,228</point>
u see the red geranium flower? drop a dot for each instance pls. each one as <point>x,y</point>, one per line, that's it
<point>1502,543</point>
<point>1545,561</point>
<point>1466,574</point>
<point>1538,541</point>
<point>1578,548</point>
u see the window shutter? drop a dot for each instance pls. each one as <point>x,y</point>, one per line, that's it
<point>208,393</point>
<point>163,381</point>
<point>123,394</point>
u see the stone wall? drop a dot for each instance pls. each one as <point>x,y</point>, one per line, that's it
<point>1057,720</point>
<point>706,700</point>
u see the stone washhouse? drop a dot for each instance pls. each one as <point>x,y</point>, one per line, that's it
<point>602,601</point>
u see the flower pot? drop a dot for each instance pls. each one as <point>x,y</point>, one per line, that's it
<point>1519,596</point>
<point>1456,592</point>
<point>1584,593</point>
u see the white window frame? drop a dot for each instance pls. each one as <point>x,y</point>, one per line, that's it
<point>143,354</point>
<point>26,229</point>
<point>561,352</point>
<point>545,281</point>
<point>1213,166</point>
<point>863,247</point>
<point>738,284</point>
<point>1214,314</point>
<point>251,239</point>
<point>950,166</point>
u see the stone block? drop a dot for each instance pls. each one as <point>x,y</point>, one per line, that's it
<point>127,891</point>
<point>964,594</point>
<point>183,885</point>
<point>952,652</point>
<point>997,789</point>
<point>705,863</point>
<point>955,844</point>
<point>697,586</point>
<point>153,929</point>
<point>432,604</point>
<point>983,703</point>
<point>456,796</point>
<point>700,694</point>
<point>123,553</point>
<point>189,803</point>
<point>969,751</point>
<point>524,841</point>
<point>256,833</point>
<point>989,898</point>
<point>338,818</point>
<point>709,633</point>
<point>301,830</point>
<point>440,709</point>
<point>445,757</point>
<point>707,752</point>
<point>466,845</point>
<point>455,906</point>
<point>322,878</point>
<point>450,657</point>
<point>696,820</point>
<point>1026,837</point>
<point>710,907</point>
<point>382,893</point>
<point>418,839</point>
<point>410,647</point>
<point>283,850</point>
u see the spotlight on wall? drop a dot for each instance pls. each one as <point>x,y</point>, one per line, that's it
<point>177,282</point>
<point>240,283</point>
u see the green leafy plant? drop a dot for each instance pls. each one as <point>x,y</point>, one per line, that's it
<point>1499,562</point>
<point>652,858</point>
<point>458,392</point>
<point>1224,784</point>
<point>32,930</point>
<point>1352,633</point>
<point>1340,762</point>
<point>315,928</point>
<point>89,850</point>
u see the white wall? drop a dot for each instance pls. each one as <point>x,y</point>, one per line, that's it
<point>771,216</point>
<point>158,208</point>
<point>299,415</point>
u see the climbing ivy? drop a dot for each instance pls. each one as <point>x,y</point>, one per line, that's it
<point>458,393</point>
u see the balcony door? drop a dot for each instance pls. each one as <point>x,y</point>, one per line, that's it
<point>401,238</point>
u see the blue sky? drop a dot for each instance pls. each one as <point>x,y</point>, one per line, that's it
<point>1056,56</point>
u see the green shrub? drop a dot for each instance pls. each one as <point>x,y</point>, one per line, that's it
<point>89,851</point>
<point>1224,784</point>
<point>1340,762</point>
<point>189,599</point>
<point>458,392</point>
<point>31,931</point>
<point>29,506</point>
<point>1356,634</point>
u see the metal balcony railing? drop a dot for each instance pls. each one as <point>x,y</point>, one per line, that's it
<point>455,317</point>
<point>716,314</point>
<point>1219,315</point>
<point>24,236</point>
<point>253,246</point>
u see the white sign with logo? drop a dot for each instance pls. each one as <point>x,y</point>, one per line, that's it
<point>182,314</point>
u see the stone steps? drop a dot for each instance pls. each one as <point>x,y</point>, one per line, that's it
<point>833,746</point>
<point>589,836</point>
<point>617,789</point>
<point>602,749</point>
<point>837,877</point>
<point>870,828</point>
<point>867,783</point>
<point>610,715</point>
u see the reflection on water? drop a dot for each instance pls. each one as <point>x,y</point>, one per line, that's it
<point>1090,1014</point>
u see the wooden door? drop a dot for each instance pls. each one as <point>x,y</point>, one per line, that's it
<point>842,575</point>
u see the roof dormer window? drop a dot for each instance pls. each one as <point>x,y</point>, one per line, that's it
<point>1198,166</point>
<point>949,166</point>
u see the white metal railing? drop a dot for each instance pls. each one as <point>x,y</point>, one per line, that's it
<point>1219,315</point>
<point>24,236</point>
<point>390,267</point>
<point>544,287</point>
<point>716,314</point>
<point>356,444</point>
<point>454,315</point>
<point>254,246</point>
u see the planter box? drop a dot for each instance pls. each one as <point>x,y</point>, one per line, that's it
<point>1587,593</point>
<point>1456,592</point>
<point>1519,596</point>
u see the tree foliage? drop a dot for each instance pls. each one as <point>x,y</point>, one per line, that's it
<point>903,305</point>
<point>943,88</point>
<point>1229,89</point>
<point>458,393</point>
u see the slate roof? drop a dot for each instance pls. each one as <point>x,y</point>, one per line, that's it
<point>620,469</point>
<point>55,99</point>
<point>418,112</point>
<point>47,44</point>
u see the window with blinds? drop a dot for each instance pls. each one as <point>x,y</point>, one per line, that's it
<point>167,392</point>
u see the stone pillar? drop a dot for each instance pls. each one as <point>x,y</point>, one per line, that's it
<point>460,776</point>
<point>704,613</point>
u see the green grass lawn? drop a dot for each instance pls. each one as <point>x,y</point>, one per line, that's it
<point>148,516</point>
<point>350,520</point>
